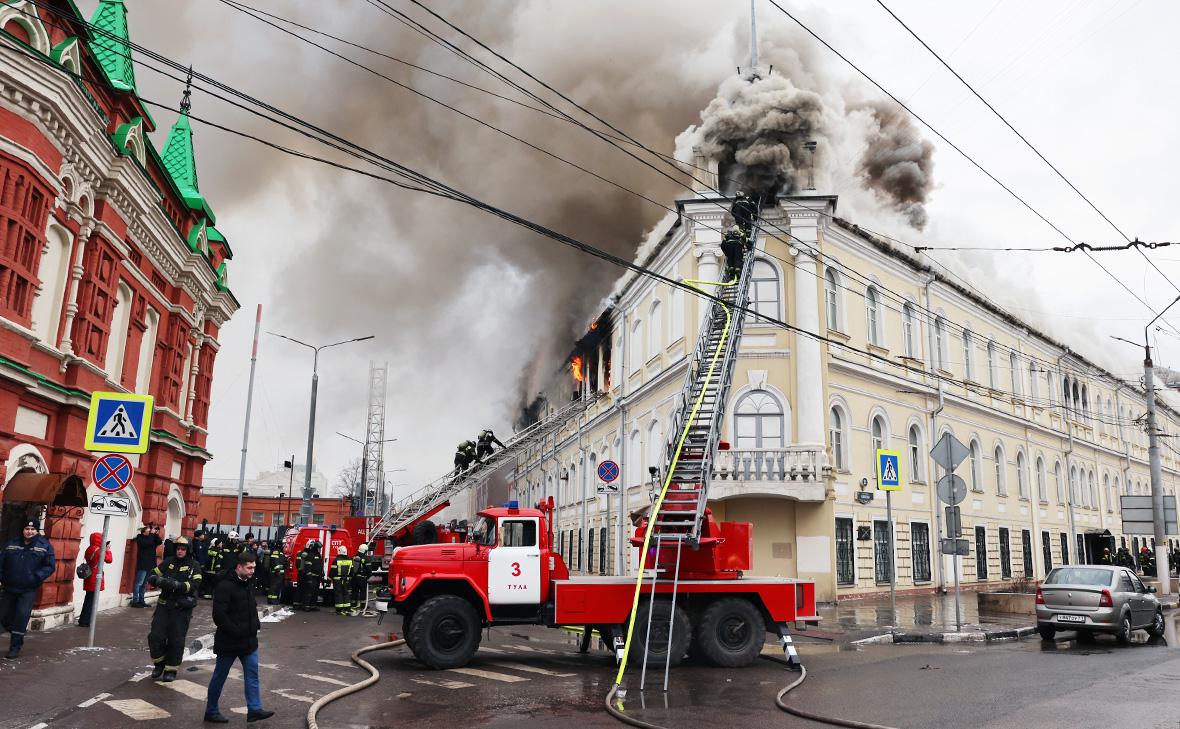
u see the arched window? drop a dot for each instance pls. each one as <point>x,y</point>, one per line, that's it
<point>1001,480</point>
<point>940,351</point>
<point>1094,493</point>
<point>765,292</point>
<point>758,421</point>
<point>916,454</point>
<point>636,347</point>
<point>1051,387</point>
<point>992,379</point>
<point>873,310</point>
<point>1042,495</point>
<point>1075,397</point>
<point>1032,382</point>
<point>635,461</point>
<point>880,434</point>
<point>1021,476</point>
<point>54,272</point>
<point>655,330</point>
<point>117,343</point>
<point>909,335</point>
<point>968,355</point>
<point>1085,402</point>
<point>1109,493</point>
<point>836,437</point>
<point>147,352</point>
<point>655,445</point>
<point>1066,393</point>
<point>1073,485</point>
<point>1014,365</point>
<point>976,473</point>
<point>832,298</point>
<point>676,315</point>
<point>1057,482</point>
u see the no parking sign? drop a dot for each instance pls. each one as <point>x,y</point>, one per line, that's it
<point>608,473</point>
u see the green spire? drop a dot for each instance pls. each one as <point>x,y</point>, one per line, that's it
<point>113,53</point>
<point>181,163</point>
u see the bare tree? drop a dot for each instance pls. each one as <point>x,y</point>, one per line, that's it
<point>348,480</point>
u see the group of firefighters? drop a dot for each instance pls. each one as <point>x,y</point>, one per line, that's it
<point>1146,559</point>
<point>349,575</point>
<point>737,241</point>
<point>475,451</point>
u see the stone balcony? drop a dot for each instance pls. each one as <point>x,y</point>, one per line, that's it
<point>795,472</point>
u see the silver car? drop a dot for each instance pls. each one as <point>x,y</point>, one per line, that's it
<point>1097,599</point>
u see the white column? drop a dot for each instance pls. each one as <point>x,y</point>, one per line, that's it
<point>809,383</point>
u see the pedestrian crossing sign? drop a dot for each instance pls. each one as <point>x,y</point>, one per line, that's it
<point>888,470</point>
<point>119,422</point>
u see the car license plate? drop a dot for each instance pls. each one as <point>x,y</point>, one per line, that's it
<point>1072,618</point>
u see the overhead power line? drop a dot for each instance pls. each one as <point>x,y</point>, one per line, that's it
<point>1053,249</point>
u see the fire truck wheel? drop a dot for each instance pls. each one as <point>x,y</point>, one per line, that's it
<point>444,632</point>
<point>425,532</point>
<point>662,618</point>
<point>731,632</point>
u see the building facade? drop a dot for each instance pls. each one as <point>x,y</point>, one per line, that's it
<point>112,277</point>
<point>270,501</point>
<point>880,351</point>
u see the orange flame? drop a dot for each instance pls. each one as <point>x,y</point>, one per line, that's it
<point>593,326</point>
<point>576,367</point>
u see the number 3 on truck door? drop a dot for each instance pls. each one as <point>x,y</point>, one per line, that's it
<point>514,564</point>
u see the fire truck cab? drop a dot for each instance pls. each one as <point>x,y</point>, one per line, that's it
<point>507,573</point>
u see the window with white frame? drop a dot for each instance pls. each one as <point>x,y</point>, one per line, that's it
<point>976,472</point>
<point>1001,480</point>
<point>836,436</point>
<point>916,453</point>
<point>1085,402</point>
<point>1109,493</point>
<point>873,311</point>
<point>1073,485</point>
<point>909,331</point>
<point>655,331</point>
<point>940,350</point>
<point>832,298</point>
<point>765,290</point>
<point>1094,493</point>
<point>1021,476</point>
<point>1042,494</point>
<point>968,355</point>
<point>1014,365</point>
<point>758,421</point>
<point>1032,381</point>
<point>879,434</point>
<point>636,347</point>
<point>1057,483</point>
<point>992,378</point>
<point>1051,387</point>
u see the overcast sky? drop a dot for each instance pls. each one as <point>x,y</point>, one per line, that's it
<point>472,313</point>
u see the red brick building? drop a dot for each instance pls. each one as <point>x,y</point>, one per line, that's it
<point>112,277</point>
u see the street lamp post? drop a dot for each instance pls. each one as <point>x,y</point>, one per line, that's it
<point>305,508</point>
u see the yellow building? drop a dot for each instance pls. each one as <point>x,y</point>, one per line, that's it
<point>904,352</point>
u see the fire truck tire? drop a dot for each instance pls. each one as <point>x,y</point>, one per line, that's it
<point>425,532</point>
<point>731,632</point>
<point>445,632</point>
<point>658,649</point>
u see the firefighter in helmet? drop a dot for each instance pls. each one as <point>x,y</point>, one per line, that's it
<point>745,212</point>
<point>276,572</point>
<point>362,571</point>
<point>311,568</point>
<point>343,570</point>
<point>212,564</point>
<point>483,446</point>
<point>733,245</point>
<point>464,456</point>
<point>179,580</point>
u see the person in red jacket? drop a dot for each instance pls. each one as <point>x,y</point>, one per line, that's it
<point>91,586</point>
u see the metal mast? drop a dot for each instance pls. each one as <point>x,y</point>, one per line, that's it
<point>372,484</point>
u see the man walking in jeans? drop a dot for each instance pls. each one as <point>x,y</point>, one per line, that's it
<point>236,616</point>
<point>145,561</point>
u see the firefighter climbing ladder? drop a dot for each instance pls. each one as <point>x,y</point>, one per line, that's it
<point>405,512</point>
<point>679,508</point>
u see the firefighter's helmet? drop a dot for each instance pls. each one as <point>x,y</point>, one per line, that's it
<point>363,548</point>
<point>342,551</point>
<point>233,536</point>
<point>180,542</point>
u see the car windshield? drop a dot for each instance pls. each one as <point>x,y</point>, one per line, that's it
<point>485,531</point>
<point>1079,576</point>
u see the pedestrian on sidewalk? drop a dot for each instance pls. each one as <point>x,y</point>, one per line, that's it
<point>236,616</point>
<point>26,562</point>
<point>91,585</point>
<point>145,561</point>
<point>179,580</point>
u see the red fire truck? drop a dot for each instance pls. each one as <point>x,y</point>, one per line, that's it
<point>508,574</point>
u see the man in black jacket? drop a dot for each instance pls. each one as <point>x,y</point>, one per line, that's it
<point>25,563</point>
<point>179,580</point>
<point>145,561</point>
<point>235,614</point>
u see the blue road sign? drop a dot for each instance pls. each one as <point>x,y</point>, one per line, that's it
<point>608,471</point>
<point>119,422</point>
<point>888,470</point>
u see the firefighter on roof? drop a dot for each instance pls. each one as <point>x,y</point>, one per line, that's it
<point>179,580</point>
<point>464,456</point>
<point>277,572</point>
<point>343,571</point>
<point>484,445</point>
<point>311,568</point>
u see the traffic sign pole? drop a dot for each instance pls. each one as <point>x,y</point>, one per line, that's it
<point>892,562</point>
<point>102,547</point>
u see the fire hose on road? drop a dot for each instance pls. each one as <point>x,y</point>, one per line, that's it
<point>374,676</point>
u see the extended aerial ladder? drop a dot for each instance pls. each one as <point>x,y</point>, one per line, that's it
<point>402,515</point>
<point>678,516</point>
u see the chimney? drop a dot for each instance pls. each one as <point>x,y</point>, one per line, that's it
<point>704,172</point>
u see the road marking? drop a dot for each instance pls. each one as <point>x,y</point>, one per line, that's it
<point>346,664</point>
<point>443,683</point>
<point>530,649</point>
<point>91,702</point>
<point>239,709</point>
<point>42,725</point>
<point>530,669</point>
<point>140,676</point>
<point>325,679</point>
<point>295,697</point>
<point>137,709</point>
<point>188,688</point>
<point>490,650</point>
<point>488,674</point>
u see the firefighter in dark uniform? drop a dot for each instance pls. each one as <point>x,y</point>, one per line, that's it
<point>483,446</point>
<point>342,574</point>
<point>276,572</point>
<point>1107,557</point>
<point>230,551</point>
<point>464,456</point>
<point>311,568</point>
<point>362,571</point>
<point>179,580</point>
<point>209,572</point>
<point>733,245</point>
<point>744,212</point>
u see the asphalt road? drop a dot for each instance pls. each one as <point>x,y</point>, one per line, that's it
<point>534,677</point>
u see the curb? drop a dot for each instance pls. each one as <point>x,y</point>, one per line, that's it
<point>206,641</point>
<point>976,636</point>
